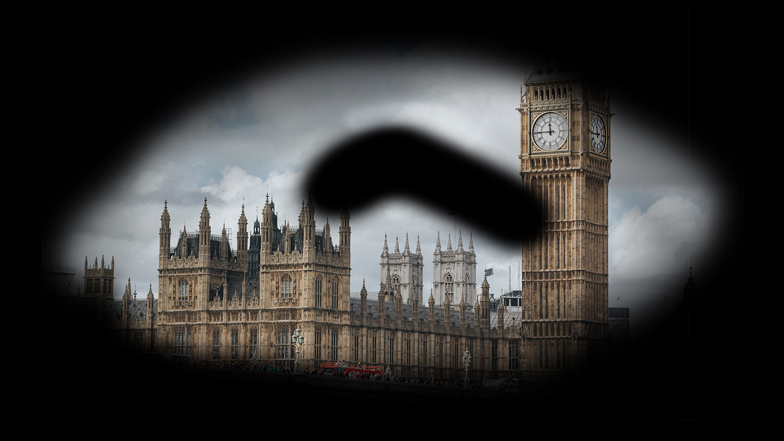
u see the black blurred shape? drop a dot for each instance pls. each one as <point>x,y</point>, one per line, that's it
<point>400,162</point>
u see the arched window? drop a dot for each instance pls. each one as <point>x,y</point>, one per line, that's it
<point>284,342</point>
<point>335,292</point>
<point>449,287</point>
<point>235,344</point>
<point>286,287</point>
<point>216,344</point>
<point>182,341</point>
<point>395,283</point>
<point>183,291</point>
<point>319,288</point>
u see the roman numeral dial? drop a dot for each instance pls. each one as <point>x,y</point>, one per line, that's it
<point>550,131</point>
<point>598,134</point>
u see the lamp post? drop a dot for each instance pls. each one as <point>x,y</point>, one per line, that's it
<point>297,339</point>
<point>466,363</point>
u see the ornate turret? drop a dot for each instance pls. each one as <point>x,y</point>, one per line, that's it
<point>363,303</point>
<point>270,234</point>
<point>327,238</point>
<point>126,303</point>
<point>345,234</point>
<point>150,306</point>
<point>224,247</point>
<point>431,310</point>
<point>484,306</point>
<point>164,236</point>
<point>204,231</point>
<point>308,227</point>
<point>242,236</point>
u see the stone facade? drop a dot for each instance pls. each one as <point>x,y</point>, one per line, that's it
<point>565,163</point>
<point>210,310</point>
<point>218,306</point>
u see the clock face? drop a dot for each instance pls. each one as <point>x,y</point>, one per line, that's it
<point>550,131</point>
<point>598,134</point>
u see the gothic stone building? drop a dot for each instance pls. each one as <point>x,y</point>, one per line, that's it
<point>218,304</point>
<point>209,308</point>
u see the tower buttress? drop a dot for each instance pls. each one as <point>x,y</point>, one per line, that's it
<point>242,234</point>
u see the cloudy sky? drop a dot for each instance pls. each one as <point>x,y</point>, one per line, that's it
<point>259,130</point>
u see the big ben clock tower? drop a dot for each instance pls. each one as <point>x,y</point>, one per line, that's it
<point>565,164</point>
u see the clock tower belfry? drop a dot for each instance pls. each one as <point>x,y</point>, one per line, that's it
<point>565,164</point>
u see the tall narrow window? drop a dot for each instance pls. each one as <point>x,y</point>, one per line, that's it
<point>355,347</point>
<point>449,287</point>
<point>407,349</point>
<point>335,293</point>
<point>373,347</point>
<point>439,351</point>
<point>494,355</point>
<point>284,343</point>
<point>235,344</point>
<point>423,356</point>
<point>216,344</point>
<point>513,361</point>
<point>182,341</point>
<point>317,344</point>
<point>319,283</point>
<point>254,341</point>
<point>391,346</point>
<point>286,287</point>
<point>183,292</point>
<point>333,350</point>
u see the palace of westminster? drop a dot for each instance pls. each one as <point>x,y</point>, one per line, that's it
<point>220,304</point>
